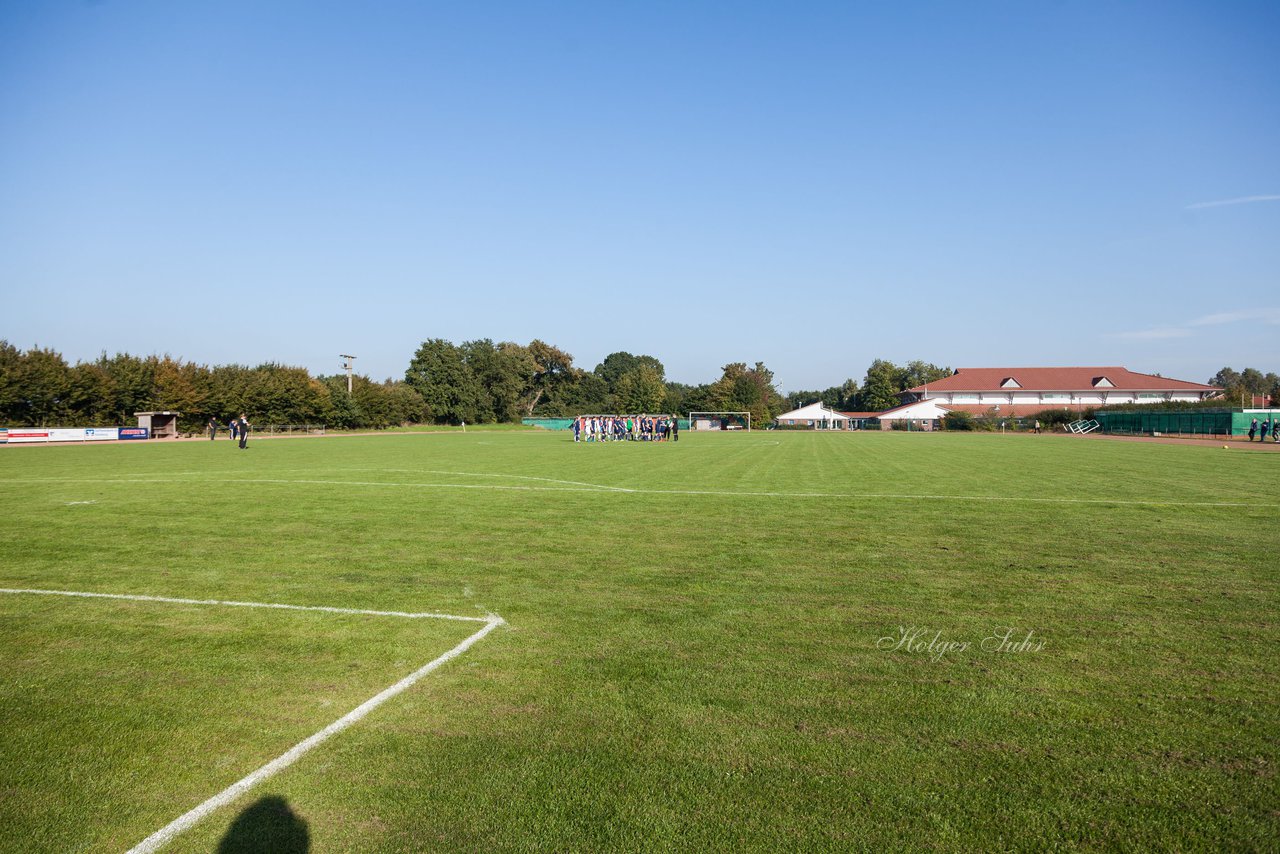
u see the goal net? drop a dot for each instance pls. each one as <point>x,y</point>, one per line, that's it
<point>719,420</point>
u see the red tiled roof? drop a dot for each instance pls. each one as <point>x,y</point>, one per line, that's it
<point>938,404</point>
<point>1017,410</point>
<point>1058,379</point>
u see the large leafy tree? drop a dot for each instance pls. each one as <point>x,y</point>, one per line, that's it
<point>503,373</point>
<point>640,390</point>
<point>1254,381</point>
<point>133,380</point>
<point>880,387</point>
<point>1225,378</point>
<point>10,390</point>
<point>90,397</point>
<point>43,381</point>
<point>751,389</point>
<point>553,378</point>
<point>439,372</point>
<point>918,373</point>
<point>617,365</point>
<point>885,381</point>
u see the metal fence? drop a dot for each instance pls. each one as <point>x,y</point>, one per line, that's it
<point>1204,422</point>
<point>315,429</point>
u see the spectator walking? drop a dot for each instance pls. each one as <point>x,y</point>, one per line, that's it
<point>1253,429</point>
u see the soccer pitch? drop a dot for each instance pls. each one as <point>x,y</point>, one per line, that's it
<point>764,641</point>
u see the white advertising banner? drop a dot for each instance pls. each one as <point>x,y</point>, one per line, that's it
<point>21,435</point>
<point>66,434</point>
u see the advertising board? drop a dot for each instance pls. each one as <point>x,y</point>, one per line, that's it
<point>24,435</point>
<point>66,434</point>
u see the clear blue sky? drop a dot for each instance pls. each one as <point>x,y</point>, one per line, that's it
<point>813,185</point>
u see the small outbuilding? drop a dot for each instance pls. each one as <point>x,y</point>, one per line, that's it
<point>162,425</point>
<point>814,416</point>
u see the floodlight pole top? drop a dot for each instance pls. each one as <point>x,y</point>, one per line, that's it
<point>347,364</point>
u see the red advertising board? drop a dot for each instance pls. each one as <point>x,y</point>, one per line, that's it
<point>21,435</point>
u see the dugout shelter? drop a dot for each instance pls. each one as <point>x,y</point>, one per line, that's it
<point>163,425</point>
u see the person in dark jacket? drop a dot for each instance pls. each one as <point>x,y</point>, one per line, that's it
<point>243,429</point>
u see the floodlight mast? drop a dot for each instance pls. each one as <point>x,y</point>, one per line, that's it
<point>347,360</point>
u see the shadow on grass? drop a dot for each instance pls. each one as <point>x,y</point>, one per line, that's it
<point>267,825</point>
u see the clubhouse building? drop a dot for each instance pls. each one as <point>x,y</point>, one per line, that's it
<point>1012,392</point>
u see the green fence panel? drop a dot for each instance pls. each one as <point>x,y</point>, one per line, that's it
<point>1212,422</point>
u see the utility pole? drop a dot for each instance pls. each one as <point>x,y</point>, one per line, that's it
<point>346,363</point>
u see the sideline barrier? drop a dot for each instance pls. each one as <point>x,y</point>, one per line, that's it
<point>28,435</point>
<point>1202,422</point>
<point>22,437</point>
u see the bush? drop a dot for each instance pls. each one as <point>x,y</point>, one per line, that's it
<point>958,421</point>
<point>1056,419</point>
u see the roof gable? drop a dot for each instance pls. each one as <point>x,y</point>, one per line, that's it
<point>1057,379</point>
<point>1010,382</point>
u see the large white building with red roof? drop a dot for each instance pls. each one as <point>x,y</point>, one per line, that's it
<point>1011,393</point>
<point>1019,392</point>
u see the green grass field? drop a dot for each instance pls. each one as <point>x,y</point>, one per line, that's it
<point>701,649</point>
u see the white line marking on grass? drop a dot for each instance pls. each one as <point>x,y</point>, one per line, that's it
<point>511,476</point>
<point>849,496</point>
<point>79,503</point>
<point>161,837</point>
<point>275,605</point>
<point>166,834</point>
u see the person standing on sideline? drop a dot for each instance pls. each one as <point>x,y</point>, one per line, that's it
<point>231,427</point>
<point>243,429</point>
<point>675,428</point>
<point>1266,428</point>
<point>213,428</point>
<point>1253,429</point>
<point>1037,428</point>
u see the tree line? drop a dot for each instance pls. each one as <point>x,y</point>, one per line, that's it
<point>476,381</point>
<point>38,388</point>
<point>482,382</point>
<point>881,385</point>
<point>1239,386</point>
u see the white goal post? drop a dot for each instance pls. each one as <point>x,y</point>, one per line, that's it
<point>716,420</point>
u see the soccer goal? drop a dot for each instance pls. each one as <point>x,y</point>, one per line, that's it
<point>720,421</point>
